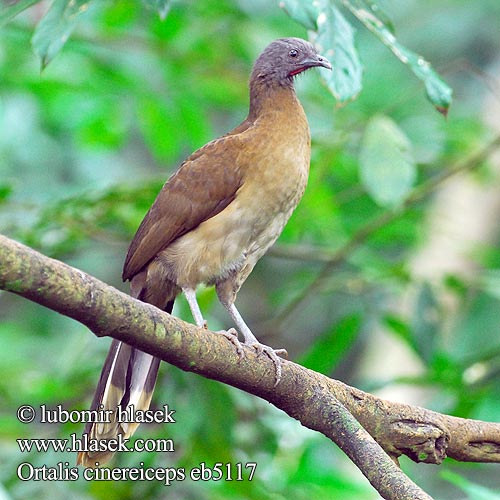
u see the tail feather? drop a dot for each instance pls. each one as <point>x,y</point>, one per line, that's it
<point>127,379</point>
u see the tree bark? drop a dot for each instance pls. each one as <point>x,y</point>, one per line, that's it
<point>371,431</point>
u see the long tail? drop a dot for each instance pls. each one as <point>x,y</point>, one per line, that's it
<point>127,379</point>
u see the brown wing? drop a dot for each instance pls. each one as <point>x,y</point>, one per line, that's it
<point>203,186</point>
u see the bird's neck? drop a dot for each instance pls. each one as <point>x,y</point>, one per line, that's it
<point>266,97</point>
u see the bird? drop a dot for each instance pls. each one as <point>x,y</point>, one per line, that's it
<point>213,219</point>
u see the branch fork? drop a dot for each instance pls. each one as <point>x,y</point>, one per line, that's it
<point>373,432</point>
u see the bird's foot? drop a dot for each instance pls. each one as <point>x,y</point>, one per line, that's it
<point>232,336</point>
<point>275,355</point>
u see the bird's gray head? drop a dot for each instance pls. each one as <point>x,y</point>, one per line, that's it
<point>285,58</point>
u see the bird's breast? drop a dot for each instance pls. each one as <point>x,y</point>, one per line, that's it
<point>274,158</point>
<point>277,171</point>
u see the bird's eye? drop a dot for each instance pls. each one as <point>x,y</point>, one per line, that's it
<point>293,53</point>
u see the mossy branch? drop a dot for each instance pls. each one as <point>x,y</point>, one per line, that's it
<point>371,431</point>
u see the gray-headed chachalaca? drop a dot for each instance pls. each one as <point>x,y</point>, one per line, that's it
<point>211,222</point>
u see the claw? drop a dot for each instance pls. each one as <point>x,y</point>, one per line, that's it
<point>232,336</point>
<point>251,340</point>
<point>282,353</point>
<point>231,331</point>
<point>274,355</point>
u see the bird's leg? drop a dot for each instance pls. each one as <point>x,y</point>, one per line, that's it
<point>252,341</point>
<point>190,295</point>
<point>232,334</point>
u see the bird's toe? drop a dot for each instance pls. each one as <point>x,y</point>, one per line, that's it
<point>232,336</point>
<point>275,355</point>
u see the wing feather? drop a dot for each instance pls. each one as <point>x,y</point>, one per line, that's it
<point>205,184</point>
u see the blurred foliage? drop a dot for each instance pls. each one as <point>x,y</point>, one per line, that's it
<point>86,145</point>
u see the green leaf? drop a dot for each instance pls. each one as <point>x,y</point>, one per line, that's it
<point>158,123</point>
<point>475,335</point>
<point>489,281</point>
<point>53,31</point>
<point>305,13</point>
<point>387,167</point>
<point>400,328</point>
<point>376,10</point>
<point>9,10</point>
<point>160,6</point>
<point>438,92</point>
<point>335,40</point>
<point>334,37</point>
<point>5,191</point>
<point>328,350</point>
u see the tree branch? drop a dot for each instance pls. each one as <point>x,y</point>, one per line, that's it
<point>318,402</point>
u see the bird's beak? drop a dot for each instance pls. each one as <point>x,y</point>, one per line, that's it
<point>312,62</point>
<point>321,61</point>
